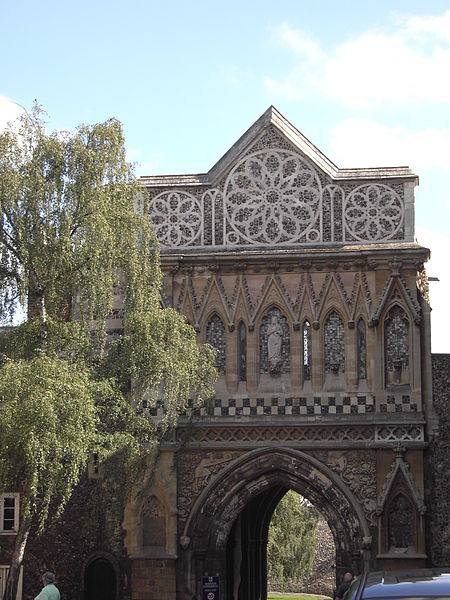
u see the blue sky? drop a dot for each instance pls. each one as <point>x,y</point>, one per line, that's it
<point>366,82</point>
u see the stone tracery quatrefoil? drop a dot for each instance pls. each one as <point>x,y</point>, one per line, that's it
<point>272,196</point>
<point>373,212</point>
<point>177,217</point>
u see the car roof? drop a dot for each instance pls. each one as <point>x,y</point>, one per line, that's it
<point>414,583</point>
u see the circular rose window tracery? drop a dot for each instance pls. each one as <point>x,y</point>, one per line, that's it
<point>373,212</point>
<point>177,217</point>
<point>272,196</point>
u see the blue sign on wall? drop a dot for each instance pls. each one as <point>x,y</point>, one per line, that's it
<point>211,588</point>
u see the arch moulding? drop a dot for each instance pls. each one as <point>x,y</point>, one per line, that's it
<point>205,535</point>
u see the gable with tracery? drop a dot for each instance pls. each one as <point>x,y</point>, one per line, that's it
<point>280,190</point>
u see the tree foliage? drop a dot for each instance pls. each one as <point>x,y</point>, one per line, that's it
<point>292,543</point>
<point>74,226</point>
<point>48,418</point>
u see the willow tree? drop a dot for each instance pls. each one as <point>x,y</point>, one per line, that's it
<point>74,226</point>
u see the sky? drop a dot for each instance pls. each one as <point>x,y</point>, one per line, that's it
<point>367,82</point>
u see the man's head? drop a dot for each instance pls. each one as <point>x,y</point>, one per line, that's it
<point>48,577</point>
<point>348,577</point>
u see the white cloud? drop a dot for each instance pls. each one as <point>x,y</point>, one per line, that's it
<point>437,266</point>
<point>299,42</point>
<point>9,110</point>
<point>373,69</point>
<point>309,54</point>
<point>289,87</point>
<point>378,68</point>
<point>435,26</point>
<point>359,142</point>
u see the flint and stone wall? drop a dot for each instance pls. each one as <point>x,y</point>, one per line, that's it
<point>437,471</point>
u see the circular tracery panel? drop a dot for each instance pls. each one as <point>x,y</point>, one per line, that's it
<point>373,212</point>
<point>272,196</point>
<point>177,217</point>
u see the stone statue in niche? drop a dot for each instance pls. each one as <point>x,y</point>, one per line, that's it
<point>400,521</point>
<point>274,344</point>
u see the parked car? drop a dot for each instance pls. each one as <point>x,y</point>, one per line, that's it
<point>418,584</point>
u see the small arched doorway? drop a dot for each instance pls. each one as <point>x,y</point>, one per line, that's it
<point>100,580</point>
<point>226,532</point>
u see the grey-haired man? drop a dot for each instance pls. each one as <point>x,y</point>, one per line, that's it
<point>49,591</point>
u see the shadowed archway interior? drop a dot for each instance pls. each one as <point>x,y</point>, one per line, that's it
<point>100,580</point>
<point>228,526</point>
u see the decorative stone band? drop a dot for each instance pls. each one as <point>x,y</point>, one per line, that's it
<point>304,434</point>
<point>270,406</point>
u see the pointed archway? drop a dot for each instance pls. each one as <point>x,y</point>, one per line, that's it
<point>100,577</point>
<point>251,486</point>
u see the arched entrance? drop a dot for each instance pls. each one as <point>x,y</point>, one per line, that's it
<point>100,579</point>
<point>226,532</point>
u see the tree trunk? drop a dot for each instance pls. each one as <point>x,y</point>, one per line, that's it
<point>16,561</point>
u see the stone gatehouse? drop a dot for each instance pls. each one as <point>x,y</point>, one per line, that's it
<point>307,280</point>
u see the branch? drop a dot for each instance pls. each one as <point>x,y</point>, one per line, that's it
<point>79,224</point>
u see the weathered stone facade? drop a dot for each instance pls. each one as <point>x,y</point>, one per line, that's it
<point>307,280</point>
<point>307,275</point>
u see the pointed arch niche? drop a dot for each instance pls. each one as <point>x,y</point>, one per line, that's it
<point>396,346</point>
<point>215,336</point>
<point>274,344</point>
<point>401,513</point>
<point>242,351</point>
<point>361,348</point>
<point>307,350</point>
<point>154,524</point>
<point>334,344</point>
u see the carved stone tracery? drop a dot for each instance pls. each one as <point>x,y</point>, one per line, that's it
<point>400,508</point>
<point>178,218</point>
<point>396,345</point>
<point>215,336</point>
<point>373,212</point>
<point>274,195</point>
<point>334,348</point>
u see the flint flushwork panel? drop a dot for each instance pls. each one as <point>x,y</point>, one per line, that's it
<point>362,350</point>
<point>242,351</point>
<point>396,347</point>
<point>334,347</point>
<point>215,336</point>
<point>397,350</point>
